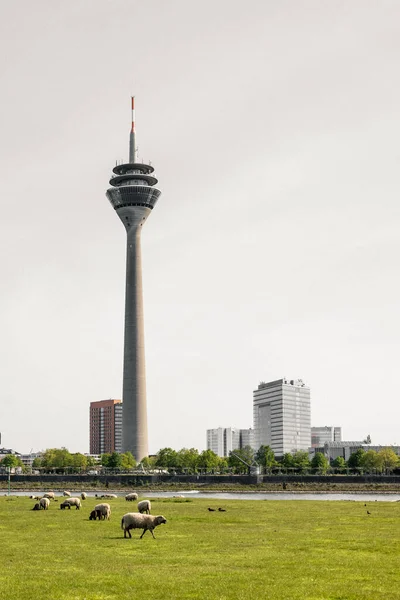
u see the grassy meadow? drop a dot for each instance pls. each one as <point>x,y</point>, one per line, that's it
<point>308,550</point>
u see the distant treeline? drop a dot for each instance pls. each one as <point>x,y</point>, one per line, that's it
<point>190,460</point>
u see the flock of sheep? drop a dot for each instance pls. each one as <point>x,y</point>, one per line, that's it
<point>140,520</point>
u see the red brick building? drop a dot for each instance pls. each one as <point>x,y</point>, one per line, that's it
<point>105,426</point>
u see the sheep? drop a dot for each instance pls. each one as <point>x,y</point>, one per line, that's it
<point>101,511</point>
<point>35,497</point>
<point>67,494</point>
<point>130,497</point>
<point>68,502</point>
<point>139,521</point>
<point>109,496</point>
<point>144,506</point>
<point>44,503</point>
<point>36,507</point>
<point>49,495</point>
<point>83,495</point>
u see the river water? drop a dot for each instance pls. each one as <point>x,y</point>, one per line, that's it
<point>356,496</point>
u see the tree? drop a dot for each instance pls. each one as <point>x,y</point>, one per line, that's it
<point>241,459</point>
<point>114,460</point>
<point>149,462</point>
<point>287,461</point>
<point>208,460</point>
<point>222,464</point>
<point>265,457</point>
<point>37,463</point>
<point>355,460</point>
<point>371,461</point>
<point>339,464</point>
<point>56,458</point>
<point>188,459</point>
<point>389,458</point>
<point>127,461</point>
<point>301,460</point>
<point>320,463</point>
<point>79,461</point>
<point>11,460</point>
<point>167,458</point>
<point>104,459</point>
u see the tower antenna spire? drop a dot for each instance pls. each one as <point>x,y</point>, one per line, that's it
<point>132,138</point>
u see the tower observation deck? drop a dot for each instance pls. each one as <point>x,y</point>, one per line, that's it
<point>133,197</point>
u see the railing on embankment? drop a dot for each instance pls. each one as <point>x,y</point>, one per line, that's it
<point>128,479</point>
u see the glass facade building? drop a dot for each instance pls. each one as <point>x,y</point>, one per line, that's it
<point>282,416</point>
<point>225,439</point>
<point>322,435</point>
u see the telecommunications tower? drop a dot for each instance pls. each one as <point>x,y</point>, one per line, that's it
<point>133,196</point>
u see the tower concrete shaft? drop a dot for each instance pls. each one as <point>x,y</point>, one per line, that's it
<point>133,197</point>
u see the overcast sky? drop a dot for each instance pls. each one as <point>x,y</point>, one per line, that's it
<point>273,251</point>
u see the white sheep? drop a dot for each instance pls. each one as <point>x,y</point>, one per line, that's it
<point>68,494</point>
<point>49,495</point>
<point>144,506</point>
<point>139,521</point>
<point>132,496</point>
<point>109,496</point>
<point>68,502</point>
<point>44,503</point>
<point>100,511</point>
<point>83,495</point>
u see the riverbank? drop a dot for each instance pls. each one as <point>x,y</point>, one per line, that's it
<point>58,484</point>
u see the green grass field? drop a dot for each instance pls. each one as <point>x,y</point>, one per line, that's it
<point>308,550</point>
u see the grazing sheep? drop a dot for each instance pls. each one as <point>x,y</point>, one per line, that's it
<point>109,496</point>
<point>44,503</point>
<point>132,496</point>
<point>102,511</point>
<point>49,495</point>
<point>36,507</point>
<point>35,497</point>
<point>68,494</point>
<point>83,495</point>
<point>139,521</point>
<point>71,502</point>
<point>144,506</point>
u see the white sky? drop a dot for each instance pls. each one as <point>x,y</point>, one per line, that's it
<point>273,251</point>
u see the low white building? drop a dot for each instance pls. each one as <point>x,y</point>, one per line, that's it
<point>225,439</point>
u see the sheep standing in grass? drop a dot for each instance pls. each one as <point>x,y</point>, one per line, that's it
<point>49,495</point>
<point>36,507</point>
<point>44,503</point>
<point>144,506</point>
<point>109,496</point>
<point>67,494</point>
<point>71,502</point>
<point>139,521</point>
<point>83,495</point>
<point>132,496</point>
<point>101,511</point>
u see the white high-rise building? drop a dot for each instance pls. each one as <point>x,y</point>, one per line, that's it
<point>322,435</point>
<point>225,439</point>
<point>282,416</point>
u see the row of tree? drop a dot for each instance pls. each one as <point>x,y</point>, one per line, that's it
<point>241,460</point>
<point>190,460</point>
